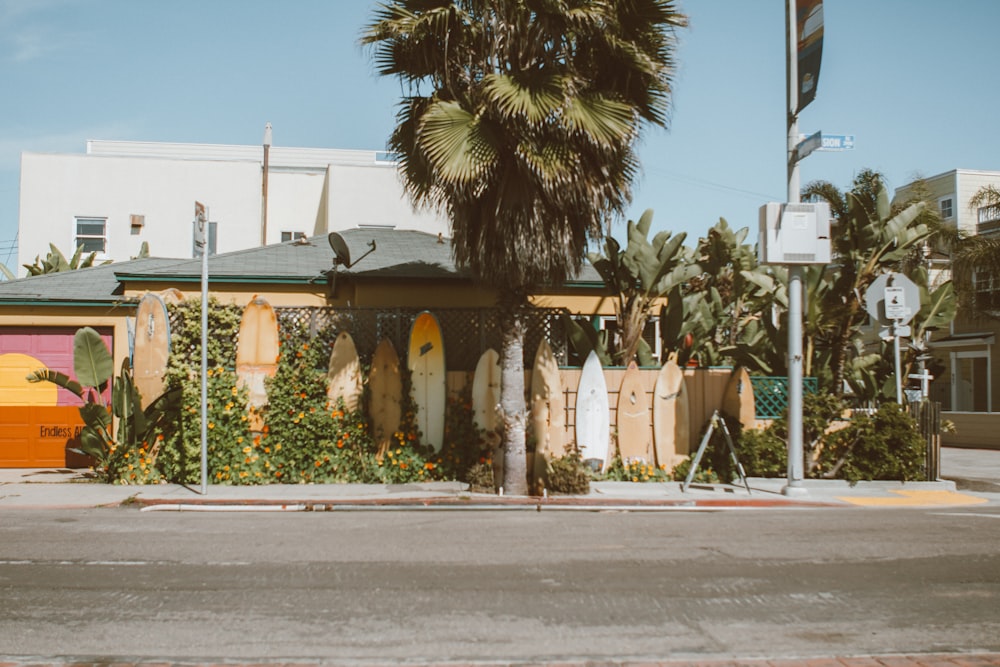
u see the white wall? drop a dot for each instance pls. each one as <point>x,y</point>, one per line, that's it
<point>55,189</point>
<point>309,190</point>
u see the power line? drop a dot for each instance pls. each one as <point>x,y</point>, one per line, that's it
<point>712,185</point>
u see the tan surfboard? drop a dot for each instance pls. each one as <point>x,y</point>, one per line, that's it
<point>257,350</point>
<point>343,377</point>
<point>151,348</point>
<point>486,407</point>
<point>548,411</point>
<point>738,400</point>
<point>634,443</point>
<point>385,385</point>
<point>671,418</point>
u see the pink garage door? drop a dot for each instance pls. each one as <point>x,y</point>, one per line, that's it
<point>39,422</point>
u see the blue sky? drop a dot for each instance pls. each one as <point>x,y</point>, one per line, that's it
<point>913,80</point>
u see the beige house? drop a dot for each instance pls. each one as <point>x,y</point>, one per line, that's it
<point>969,388</point>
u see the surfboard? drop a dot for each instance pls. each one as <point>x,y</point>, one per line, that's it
<point>425,359</point>
<point>548,410</point>
<point>151,347</point>
<point>257,350</point>
<point>486,407</point>
<point>671,418</point>
<point>343,376</point>
<point>633,418</point>
<point>592,421</point>
<point>738,400</point>
<point>385,384</point>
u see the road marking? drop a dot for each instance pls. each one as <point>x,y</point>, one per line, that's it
<point>985,515</point>
<point>915,499</point>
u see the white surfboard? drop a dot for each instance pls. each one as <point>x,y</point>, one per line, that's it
<point>593,430</point>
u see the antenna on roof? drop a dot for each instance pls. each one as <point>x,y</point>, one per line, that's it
<point>343,253</point>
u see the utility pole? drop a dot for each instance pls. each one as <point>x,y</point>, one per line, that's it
<point>795,452</point>
<point>263,204</point>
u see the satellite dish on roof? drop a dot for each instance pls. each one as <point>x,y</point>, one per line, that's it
<point>340,248</point>
<point>342,252</point>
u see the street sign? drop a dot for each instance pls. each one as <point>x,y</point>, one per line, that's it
<point>809,144</point>
<point>895,303</point>
<point>881,292</point>
<point>837,142</point>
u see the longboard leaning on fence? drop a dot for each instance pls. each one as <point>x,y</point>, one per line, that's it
<point>343,377</point>
<point>738,400</point>
<point>671,418</point>
<point>633,418</point>
<point>548,411</point>
<point>385,385</point>
<point>425,359</point>
<point>592,422</point>
<point>257,349</point>
<point>486,407</point>
<point>150,348</point>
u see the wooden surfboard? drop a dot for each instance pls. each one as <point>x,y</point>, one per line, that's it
<point>486,407</point>
<point>633,418</point>
<point>738,400</point>
<point>671,418</point>
<point>425,359</point>
<point>385,384</point>
<point>151,347</point>
<point>343,377</point>
<point>548,410</point>
<point>592,422</point>
<point>257,349</point>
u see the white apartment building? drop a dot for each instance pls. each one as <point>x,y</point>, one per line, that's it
<point>120,194</point>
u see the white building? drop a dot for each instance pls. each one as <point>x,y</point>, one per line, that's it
<point>120,194</point>
<point>970,386</point>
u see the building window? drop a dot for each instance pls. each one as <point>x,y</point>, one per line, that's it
<point>212,237</point>
<point>987,290</point>
<point>988,219</point>
<point>91,233</point>
<point>292,236</point>
<point>947,207</point>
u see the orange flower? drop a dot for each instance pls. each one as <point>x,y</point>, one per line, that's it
<point>340,444</point>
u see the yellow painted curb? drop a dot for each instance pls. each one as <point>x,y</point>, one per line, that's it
<point>916,499</point>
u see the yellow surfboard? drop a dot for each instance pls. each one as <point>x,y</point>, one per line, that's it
<point>671,419</point>
<point>385,385</point>
<point>343,377</point>
<point>548,410</point>
<point>425,359</point>
<point>738,400</point>
<point>257,349</point>
<point>150,348</point>
<point>633,418</point>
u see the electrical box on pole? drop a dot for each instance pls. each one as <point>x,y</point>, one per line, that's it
<point>794,233</point>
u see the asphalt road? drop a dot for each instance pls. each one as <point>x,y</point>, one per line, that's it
<point>118,584</point>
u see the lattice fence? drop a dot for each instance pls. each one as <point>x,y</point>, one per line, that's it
<point>771,394</point>
<point>468,332</point>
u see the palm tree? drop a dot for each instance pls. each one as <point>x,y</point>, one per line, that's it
<point>520,120</point>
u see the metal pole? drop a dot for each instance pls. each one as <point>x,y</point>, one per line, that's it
<point>795,454</point>
<point>203,221</point>
<point>899,366</point>
<point>263,204</point>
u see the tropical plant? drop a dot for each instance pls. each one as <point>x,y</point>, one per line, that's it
<point>521,120</point>
<point>641,275</point>
<point>868,240</point>
<point>55,262</point>
<point>130,454</point>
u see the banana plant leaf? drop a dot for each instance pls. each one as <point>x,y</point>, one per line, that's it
<point>57,378</point>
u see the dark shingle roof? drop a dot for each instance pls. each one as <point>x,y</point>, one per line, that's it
<point>397,254</point>
<point>93,285</point>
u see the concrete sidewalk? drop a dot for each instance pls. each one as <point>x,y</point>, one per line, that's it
<point>970,477</point>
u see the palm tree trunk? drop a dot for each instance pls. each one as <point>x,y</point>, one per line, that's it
<point>512,403</point>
